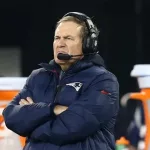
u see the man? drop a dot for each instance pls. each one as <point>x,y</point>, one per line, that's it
<point>71,103</point>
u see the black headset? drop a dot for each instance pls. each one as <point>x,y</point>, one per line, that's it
<point>90,43</point>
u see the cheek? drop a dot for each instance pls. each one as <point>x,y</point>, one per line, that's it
<point>75,49</point>
<point>54,47</point>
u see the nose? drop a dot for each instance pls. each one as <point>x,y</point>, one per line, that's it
<point>61,43</point>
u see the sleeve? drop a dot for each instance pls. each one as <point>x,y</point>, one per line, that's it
<point>97,105</point>
<point>24,119</point>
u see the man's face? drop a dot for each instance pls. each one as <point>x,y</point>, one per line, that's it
<point>67,40</point>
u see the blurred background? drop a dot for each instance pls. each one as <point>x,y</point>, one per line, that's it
<point>27,30</point>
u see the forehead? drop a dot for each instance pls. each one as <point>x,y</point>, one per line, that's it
<point>68,28</point>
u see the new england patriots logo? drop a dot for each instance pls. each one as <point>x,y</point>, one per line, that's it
<point>76,85</point>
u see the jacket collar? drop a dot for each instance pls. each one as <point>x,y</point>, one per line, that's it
<point>82,64</point>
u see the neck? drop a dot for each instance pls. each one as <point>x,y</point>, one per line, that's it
<point>65,67</point>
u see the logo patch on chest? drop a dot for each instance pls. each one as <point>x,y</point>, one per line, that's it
<point>76,85</point>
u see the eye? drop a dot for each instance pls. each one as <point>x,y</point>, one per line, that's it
<point>56,38</point>
<point>69,38</point>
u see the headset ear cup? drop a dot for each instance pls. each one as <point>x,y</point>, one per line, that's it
<point>87,45</point>
<point>89,42</point>
<point>84,45</point>
<point>95,44</point>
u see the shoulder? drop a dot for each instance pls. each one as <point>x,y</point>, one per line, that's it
<point>99,77</point>
<point>106,74</point>
<point>38,72</point>
<point>101,73</point>
<point>39,76</point>
<point>103,78</point>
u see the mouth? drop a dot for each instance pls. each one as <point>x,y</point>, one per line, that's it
<point>63,52</point>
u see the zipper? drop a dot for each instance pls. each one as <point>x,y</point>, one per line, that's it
<point>56,90</point>
<point>59,87</point>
